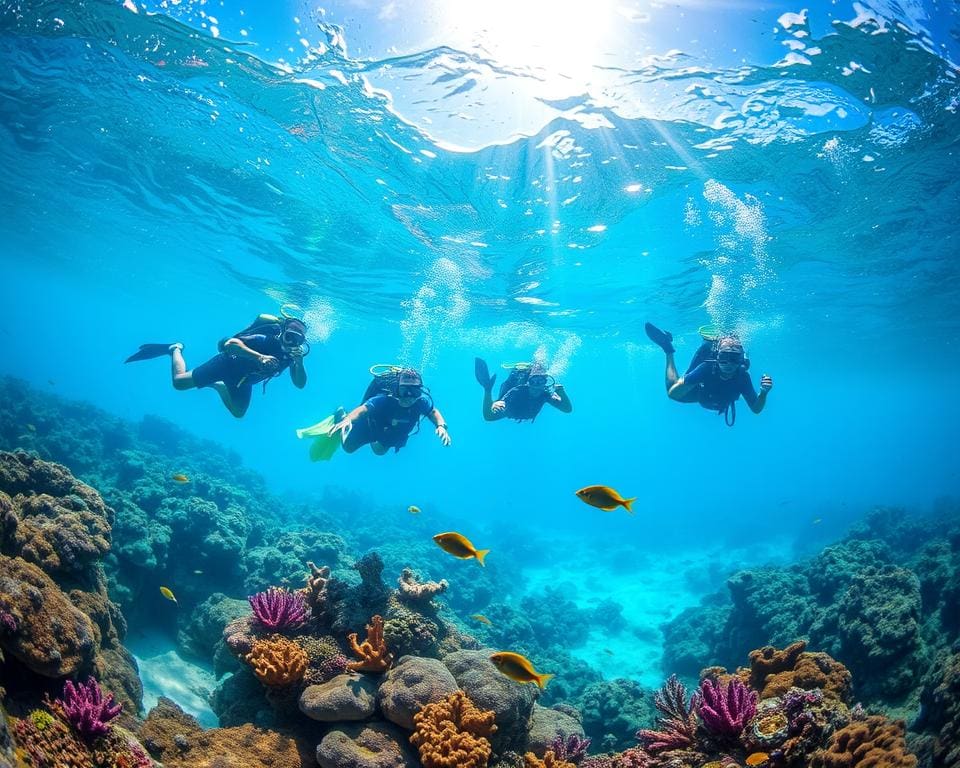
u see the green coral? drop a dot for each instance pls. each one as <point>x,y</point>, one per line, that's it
<point>41,719</point>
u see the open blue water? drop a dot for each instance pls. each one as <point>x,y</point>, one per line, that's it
<point>789,171</point>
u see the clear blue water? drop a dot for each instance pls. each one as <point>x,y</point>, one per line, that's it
<point>795,179</point>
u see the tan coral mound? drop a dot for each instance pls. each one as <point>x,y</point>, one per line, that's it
<point>872,743</point>
<point>453,733</point>
<point>277,661</point>
<point>550,760</point>
<point>773,672</point>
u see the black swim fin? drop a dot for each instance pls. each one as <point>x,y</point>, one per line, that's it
<point>149,351</point>
<point>480,370</point>
<point>663,339</point>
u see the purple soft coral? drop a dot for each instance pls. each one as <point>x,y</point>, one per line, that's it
<point>86,709</point>
<point>725,711</point>
<point>572,749</point>
<point>279,609</point>
<point>677,723</point>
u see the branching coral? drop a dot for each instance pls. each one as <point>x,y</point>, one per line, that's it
<point>453,733</point>
<point>86,709</point>
<point>372,653</point>
<point>871,743</point>
<point>573,748</point>
<point>316,590</point>
<point>678,720</point>
<point>726,710</point>
<point>279,609</point>
<point>277,661</point>
<point>414,590</point>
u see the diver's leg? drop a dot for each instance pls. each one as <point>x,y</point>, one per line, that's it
<point>671,374</point>
<point>237,400</point>
<point>181,377</point>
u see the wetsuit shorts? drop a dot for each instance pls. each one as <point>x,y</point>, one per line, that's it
<point>230,370</point>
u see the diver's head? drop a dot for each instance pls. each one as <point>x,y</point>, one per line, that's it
<point>409,387</point>
<point>537,378</point>
<point>294,333</point>
<point>730,356</point>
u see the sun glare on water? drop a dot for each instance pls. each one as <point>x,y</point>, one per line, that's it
<point>554,39</point>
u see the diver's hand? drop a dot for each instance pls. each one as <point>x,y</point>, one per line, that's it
<point>344,427</point>
<point>766,383</point>
<point>498,406</point>
<point>296,353</point>
<point>268,361</point>
<point>443,435</point>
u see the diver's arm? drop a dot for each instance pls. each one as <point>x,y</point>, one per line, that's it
<point>237,347</point>
<point>298,374</point>
<point>441,424</point>
<point>346,424</point>
<point>488,413</point>
<point>766,384</point>
<point>560,400</point>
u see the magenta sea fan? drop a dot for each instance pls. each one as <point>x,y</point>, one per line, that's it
<point>724,711</point>
<point>86,709</point>
<point>279,609</point>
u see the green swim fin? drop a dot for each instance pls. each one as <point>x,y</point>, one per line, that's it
<point>323,446</point>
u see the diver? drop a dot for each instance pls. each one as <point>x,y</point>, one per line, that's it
<point>524,392</point>
<point>258,353</point>
<point>717,375</point>
<point>394,403</point>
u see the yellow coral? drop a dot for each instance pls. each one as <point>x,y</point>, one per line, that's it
<point>277,661</point>
<point>550,760</point>
<point>372,653</point>
<point>453,733</point>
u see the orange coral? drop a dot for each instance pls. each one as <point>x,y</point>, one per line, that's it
<point>550,760</point>
<point>453,733</point>
<point>872,743</point>
<point>372,653</point>
<point>277,661</point>
<point>773,672</point>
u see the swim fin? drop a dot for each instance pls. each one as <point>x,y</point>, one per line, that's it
<point>149,351</point>
<point>663,339</point>
<point>324,445</point>
<point>480,370</point>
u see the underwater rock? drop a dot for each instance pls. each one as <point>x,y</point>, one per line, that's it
<point>6,740</point>
<point>545,725</point>
<point>412,683</point>
<point>371,745</point>
<point>51,636</point>
<point>349,696</point>
<point>239,699</point>
<point>938,723</point>
<point>203,632</point>
<point>177,740</point>
<point>613,710</point>
<point>489,689</point>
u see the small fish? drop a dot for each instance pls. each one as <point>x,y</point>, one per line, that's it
<point>481,618</point>
<point>31,427</point>
<point>413,509</point>
<point>817,521</point>
<point>51,382</point>
<point>180,478</point>
<point>757,758</point>
<point>458,545</point>
<point>518,668</point>
<point>168,594</point>
<point>608,652</point>
<point>605,498</point>
<point>198,572</point>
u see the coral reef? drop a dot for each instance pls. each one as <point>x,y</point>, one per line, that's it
<point>613,710</point>
<point>872,743</point>
<point>279,609</point>
<point>938,724</point>
<point>372,654</point>
<point>725,711</point>
<point>277,661</point>
<point>677,722</point>
<point>86,709</point>
<point>414,590</point>
<point>453,733</point>
<point>550,760</point>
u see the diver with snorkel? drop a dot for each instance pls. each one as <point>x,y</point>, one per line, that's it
<point>393,404</point>
<point>717,375</point>
<point>263,350</point>
<point>523,394</point>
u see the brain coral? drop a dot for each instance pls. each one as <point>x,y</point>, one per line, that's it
<point>773,672</point>
<point>872,743</point>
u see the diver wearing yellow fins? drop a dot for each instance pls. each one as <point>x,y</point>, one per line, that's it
<point>393,404</point>
<point>524,392</point>
<point>263,350</point>
<point>717,375</point>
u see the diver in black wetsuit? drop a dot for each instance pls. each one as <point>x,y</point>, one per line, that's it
<point>716,377</point>
<point>526,390</point>
<point>258,353</point>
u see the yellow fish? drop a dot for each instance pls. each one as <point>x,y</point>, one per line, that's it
<point>458,545</point>
<point>168,594</point>
<point>413,509</point>
<point>518,668</point>
<point>181,478</point>
<point>605,498</point>
<point>31,427</point>
<point>481,618</point>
